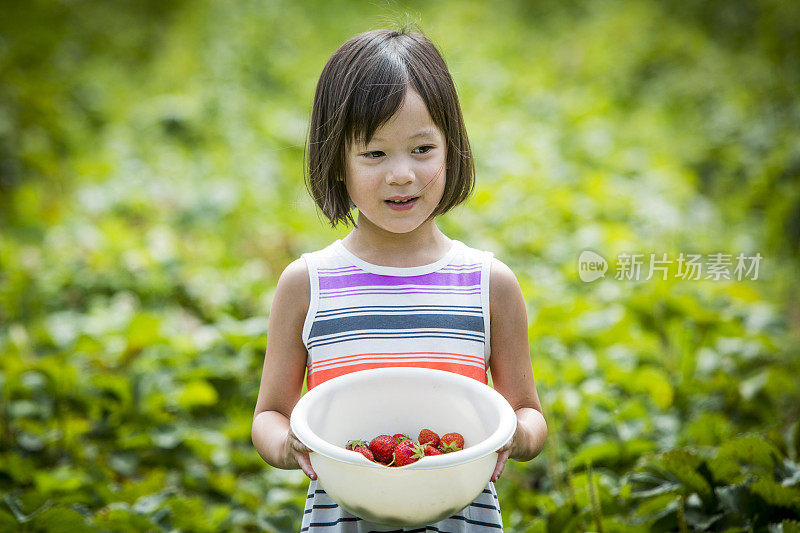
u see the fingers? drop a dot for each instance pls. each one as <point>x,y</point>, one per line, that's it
<point>502,457</point>
<point>300,453</point>
<point>501,464</point>
<point>305,465</point>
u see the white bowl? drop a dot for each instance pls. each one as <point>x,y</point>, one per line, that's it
<point>368,403</point>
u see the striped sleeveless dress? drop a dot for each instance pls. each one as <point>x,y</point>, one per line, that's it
<point>357,313</point>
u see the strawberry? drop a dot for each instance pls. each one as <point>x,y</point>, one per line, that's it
<point>431,450</point>
<point>352,444</point>
<point>426,436</point>
<point>405,454</point>
<point>363,450</point>
<point>451,442</point>
<point>400,437</point>
<point>382,448</point>
<point>407,443</point>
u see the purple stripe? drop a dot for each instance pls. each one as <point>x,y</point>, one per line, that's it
<point>404,288</point>
<point>400,288</point>
<point>356,293</point>
<point>396,290</point>
<point>450,268</point>
<point>435,278</point>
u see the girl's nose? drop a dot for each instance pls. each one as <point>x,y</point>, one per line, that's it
<point>400,174</point>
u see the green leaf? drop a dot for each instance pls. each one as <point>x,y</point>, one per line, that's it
<point>656,383</point>
<point>600,453</point>
<point>64,478</point>
<point>62,520</point>
<point>648,485</point>
<point>776,494</point>
<point>119,518</point>
<point>681,466</point>
<point>748,451</point>
<point>143,331</point>
<point>197,393</point>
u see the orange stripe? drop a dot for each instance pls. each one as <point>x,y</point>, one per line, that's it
<point>330,359</point>
<point>324,364</point>
<point>321,376</point>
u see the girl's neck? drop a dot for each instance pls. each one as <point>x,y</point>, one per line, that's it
<point>425,245</point>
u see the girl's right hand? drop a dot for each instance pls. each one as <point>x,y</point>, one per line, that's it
<point>297,453</point>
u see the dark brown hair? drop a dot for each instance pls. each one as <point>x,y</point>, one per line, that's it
<point>361,87</point>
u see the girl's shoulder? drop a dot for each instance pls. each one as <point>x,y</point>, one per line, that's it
<point>295,274</point>
<point>294,282</point>
<point>502,280</point>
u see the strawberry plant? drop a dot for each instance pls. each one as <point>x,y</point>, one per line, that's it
<point>151,193</point>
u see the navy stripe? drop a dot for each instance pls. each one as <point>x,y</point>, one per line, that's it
<point>328,524</point>
<point>418,530</point>
<point>427,321</point>
<point>484,506</point>
<point>354,336</point>
<point>321,506</point>
<point>476,522</point>
<point>487,491</point>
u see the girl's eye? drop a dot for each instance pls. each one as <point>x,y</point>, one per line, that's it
<point>425,149</point>
<point>373,155</point>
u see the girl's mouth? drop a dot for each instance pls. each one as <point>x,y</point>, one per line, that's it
<point>402,206</point>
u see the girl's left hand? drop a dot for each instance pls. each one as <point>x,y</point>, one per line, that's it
<point>504,454</point>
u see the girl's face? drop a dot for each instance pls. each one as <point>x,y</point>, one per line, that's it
<point>405,159</point>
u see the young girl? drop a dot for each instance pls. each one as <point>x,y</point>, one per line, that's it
<point>387,138</point>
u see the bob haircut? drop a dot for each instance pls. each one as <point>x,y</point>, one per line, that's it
<point>361,87</point>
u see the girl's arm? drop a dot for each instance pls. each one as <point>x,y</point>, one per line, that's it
<point>283,373</point>
<point>510,365</point>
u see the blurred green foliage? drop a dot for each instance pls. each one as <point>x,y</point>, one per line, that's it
<point>151,192</point>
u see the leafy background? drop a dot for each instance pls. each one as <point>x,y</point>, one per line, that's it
<point>151,193</point>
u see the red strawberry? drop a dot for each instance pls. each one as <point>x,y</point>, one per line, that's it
<point>451,442</point>
<point>363,450</point>
<point>430,450</point>
<point>405,454</point>
<point>426,436</point>
<point>400,437</point>
<point>382,447</point>
<point>407,443</point>
<point>352,444</point>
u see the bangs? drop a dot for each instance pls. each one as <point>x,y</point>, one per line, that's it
<point>382,88</point>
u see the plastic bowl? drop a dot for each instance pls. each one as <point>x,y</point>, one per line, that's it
<point>368,403</point>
